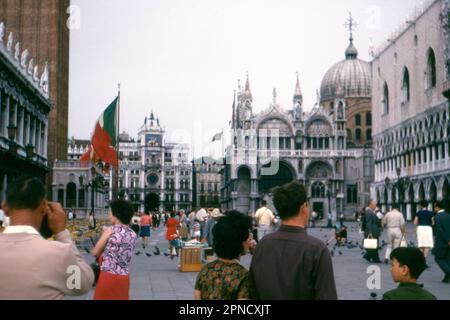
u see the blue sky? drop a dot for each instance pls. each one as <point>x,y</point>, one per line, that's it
<point>183,58</point>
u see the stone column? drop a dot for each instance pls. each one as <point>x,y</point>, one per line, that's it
<point>408,212</point>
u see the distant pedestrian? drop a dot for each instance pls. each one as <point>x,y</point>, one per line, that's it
<point>145,226</point>
<point>424,221</point>
<point>114,250</point>
<point>171,233</point>
<point>196,233</point>
<point>264,220</point>
<point>442,242</point>
<point>371,228</point>
<point>225,278</point>
<point>208,235</point>
<point>394,223</point>
<point>406,267</point>
<point>289,264</point>
<point>92,221</point>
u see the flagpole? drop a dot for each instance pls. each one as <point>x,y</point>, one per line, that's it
<point>116,170</point>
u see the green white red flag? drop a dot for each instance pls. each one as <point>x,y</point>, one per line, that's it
<point>103,141</point>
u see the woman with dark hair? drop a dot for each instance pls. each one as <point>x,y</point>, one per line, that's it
<point>114,250</point>
<point>424,221</point>
<point>225,278</point>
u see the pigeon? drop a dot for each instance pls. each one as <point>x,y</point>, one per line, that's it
<point>411,244</point>
<point>362,253</point>
<point>320,230</point>
<point>138,253</point>
<point>373,295</point>
<point>332,253</point>
<point>148,254</point>
<point>340,253</point>
<point>87,250</point>
<point>157,252</point>
<point>357,243</point>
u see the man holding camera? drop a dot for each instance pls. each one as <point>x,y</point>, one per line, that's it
<point>32,267</point>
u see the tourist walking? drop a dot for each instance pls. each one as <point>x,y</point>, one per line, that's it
<point>114,250</point>
<point>172,234</point>
<point>424,221</point>
<point>201,216</point>
<point>371,229</point>
<point>442,242</point>
<point>208,235</point>
<point>146,224</point>
<point>394,223</point>
<point>225,278</point>
<point>264,219</point>
<point>289,264</point>
<point>33,268</point>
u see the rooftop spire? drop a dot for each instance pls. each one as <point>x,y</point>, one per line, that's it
<point>274,96</point>
<point>298,90</point>
<point>248,93</point>
<point>351,52</point>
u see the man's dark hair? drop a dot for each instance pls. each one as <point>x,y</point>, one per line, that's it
<point>25,193</point>
<point>396,205</point>
<point>122,210</point>
<point>440,204</point>
<point>412,258</point>
<point>230,232</point>
<point>423,203</point>
<point>264,202</point>
<point>1,223</point>
<point>288,199</point>
<point>172,214</point>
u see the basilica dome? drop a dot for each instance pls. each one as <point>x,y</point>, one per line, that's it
<point>350,78</point>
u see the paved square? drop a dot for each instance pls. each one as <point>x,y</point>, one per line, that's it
<point>158,278</point>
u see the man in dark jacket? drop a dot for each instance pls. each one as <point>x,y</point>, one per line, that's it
<point>371,230</point>
<point>289,264</point>
<point>442,243</point>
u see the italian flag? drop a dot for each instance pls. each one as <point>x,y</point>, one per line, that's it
<point>103,141</point>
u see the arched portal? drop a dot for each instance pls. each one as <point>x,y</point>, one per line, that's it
<point>71,200</point>
<point>283,176</point>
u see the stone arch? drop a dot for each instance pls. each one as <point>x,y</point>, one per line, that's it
<point>432,192</point>
<point>71,195</point>
<point>285,174</point>
<point>319,170</point>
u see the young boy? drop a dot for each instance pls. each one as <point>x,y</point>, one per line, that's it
<point>407,266</point>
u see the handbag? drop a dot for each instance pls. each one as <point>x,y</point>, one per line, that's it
<point>404,242</point>
<point>370,243</point>
<point>96,269</point>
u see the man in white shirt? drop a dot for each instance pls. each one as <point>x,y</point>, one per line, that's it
<point>45,269</point>
<point>264,220</point>
<point>394,222</point>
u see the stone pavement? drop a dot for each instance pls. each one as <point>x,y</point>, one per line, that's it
<point>158,278</point>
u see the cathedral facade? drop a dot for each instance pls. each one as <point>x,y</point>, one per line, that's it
<point>278,145</point>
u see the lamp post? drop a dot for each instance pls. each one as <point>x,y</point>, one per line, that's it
<point>96,182</point>
<point>402,182</point>
<point>329,195</point>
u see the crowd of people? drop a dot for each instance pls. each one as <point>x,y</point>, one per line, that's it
<point>287,262</point>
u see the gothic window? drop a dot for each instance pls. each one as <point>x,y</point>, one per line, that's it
<point>318,190</point>
<point>358,134</point>
<point>405,86</point>
<point>340,111</point>
<point>385,101</point>
<point>368,119</point>
<point>369,134</point>
<point>431,69</point>
<point>358,120</point>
